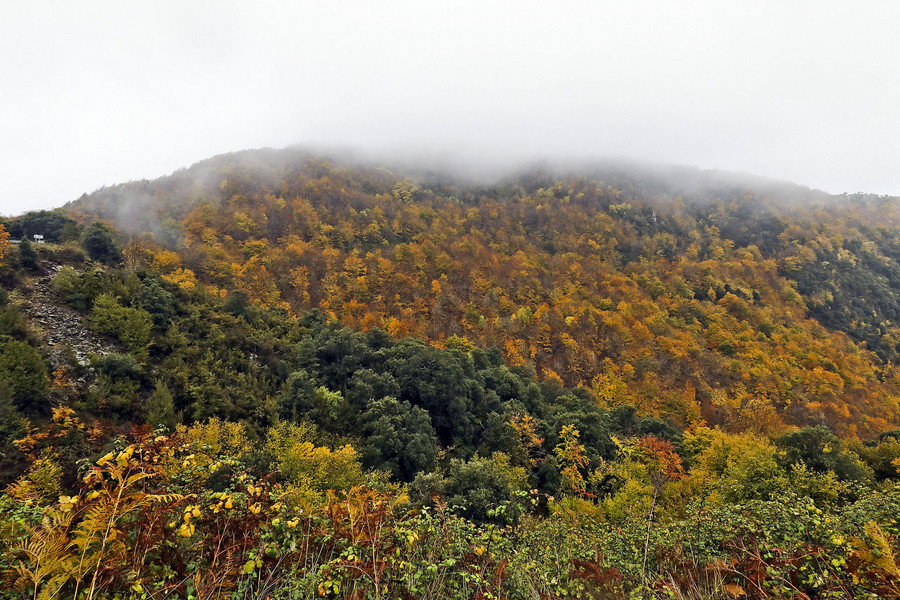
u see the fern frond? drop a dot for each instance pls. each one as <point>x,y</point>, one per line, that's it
<point>165,498</point>
<point>133,479</point>
<point>45,560</point>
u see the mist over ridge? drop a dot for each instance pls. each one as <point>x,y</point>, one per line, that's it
<point>648,181</point>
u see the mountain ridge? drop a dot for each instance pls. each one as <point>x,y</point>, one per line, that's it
<point>687,291</point>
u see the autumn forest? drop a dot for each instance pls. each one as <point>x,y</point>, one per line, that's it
<point>279,375</point>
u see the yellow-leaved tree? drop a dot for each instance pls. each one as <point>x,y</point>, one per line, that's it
<point>312,468</point>
<point>572,461</point>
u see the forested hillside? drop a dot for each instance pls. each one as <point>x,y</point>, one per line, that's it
<point>691,295</point>
<point>276,376</point>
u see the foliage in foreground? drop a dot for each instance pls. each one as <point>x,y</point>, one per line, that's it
<point>191,515</point>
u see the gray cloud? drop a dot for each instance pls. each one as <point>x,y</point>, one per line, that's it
<point>96,93</point>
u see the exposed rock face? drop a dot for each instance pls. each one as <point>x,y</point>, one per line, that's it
<point>60,326</point>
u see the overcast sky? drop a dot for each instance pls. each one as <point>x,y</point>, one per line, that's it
<point>96,93</point>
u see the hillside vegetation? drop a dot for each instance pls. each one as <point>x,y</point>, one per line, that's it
<point>276,376</point>
<point>742,302</point>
